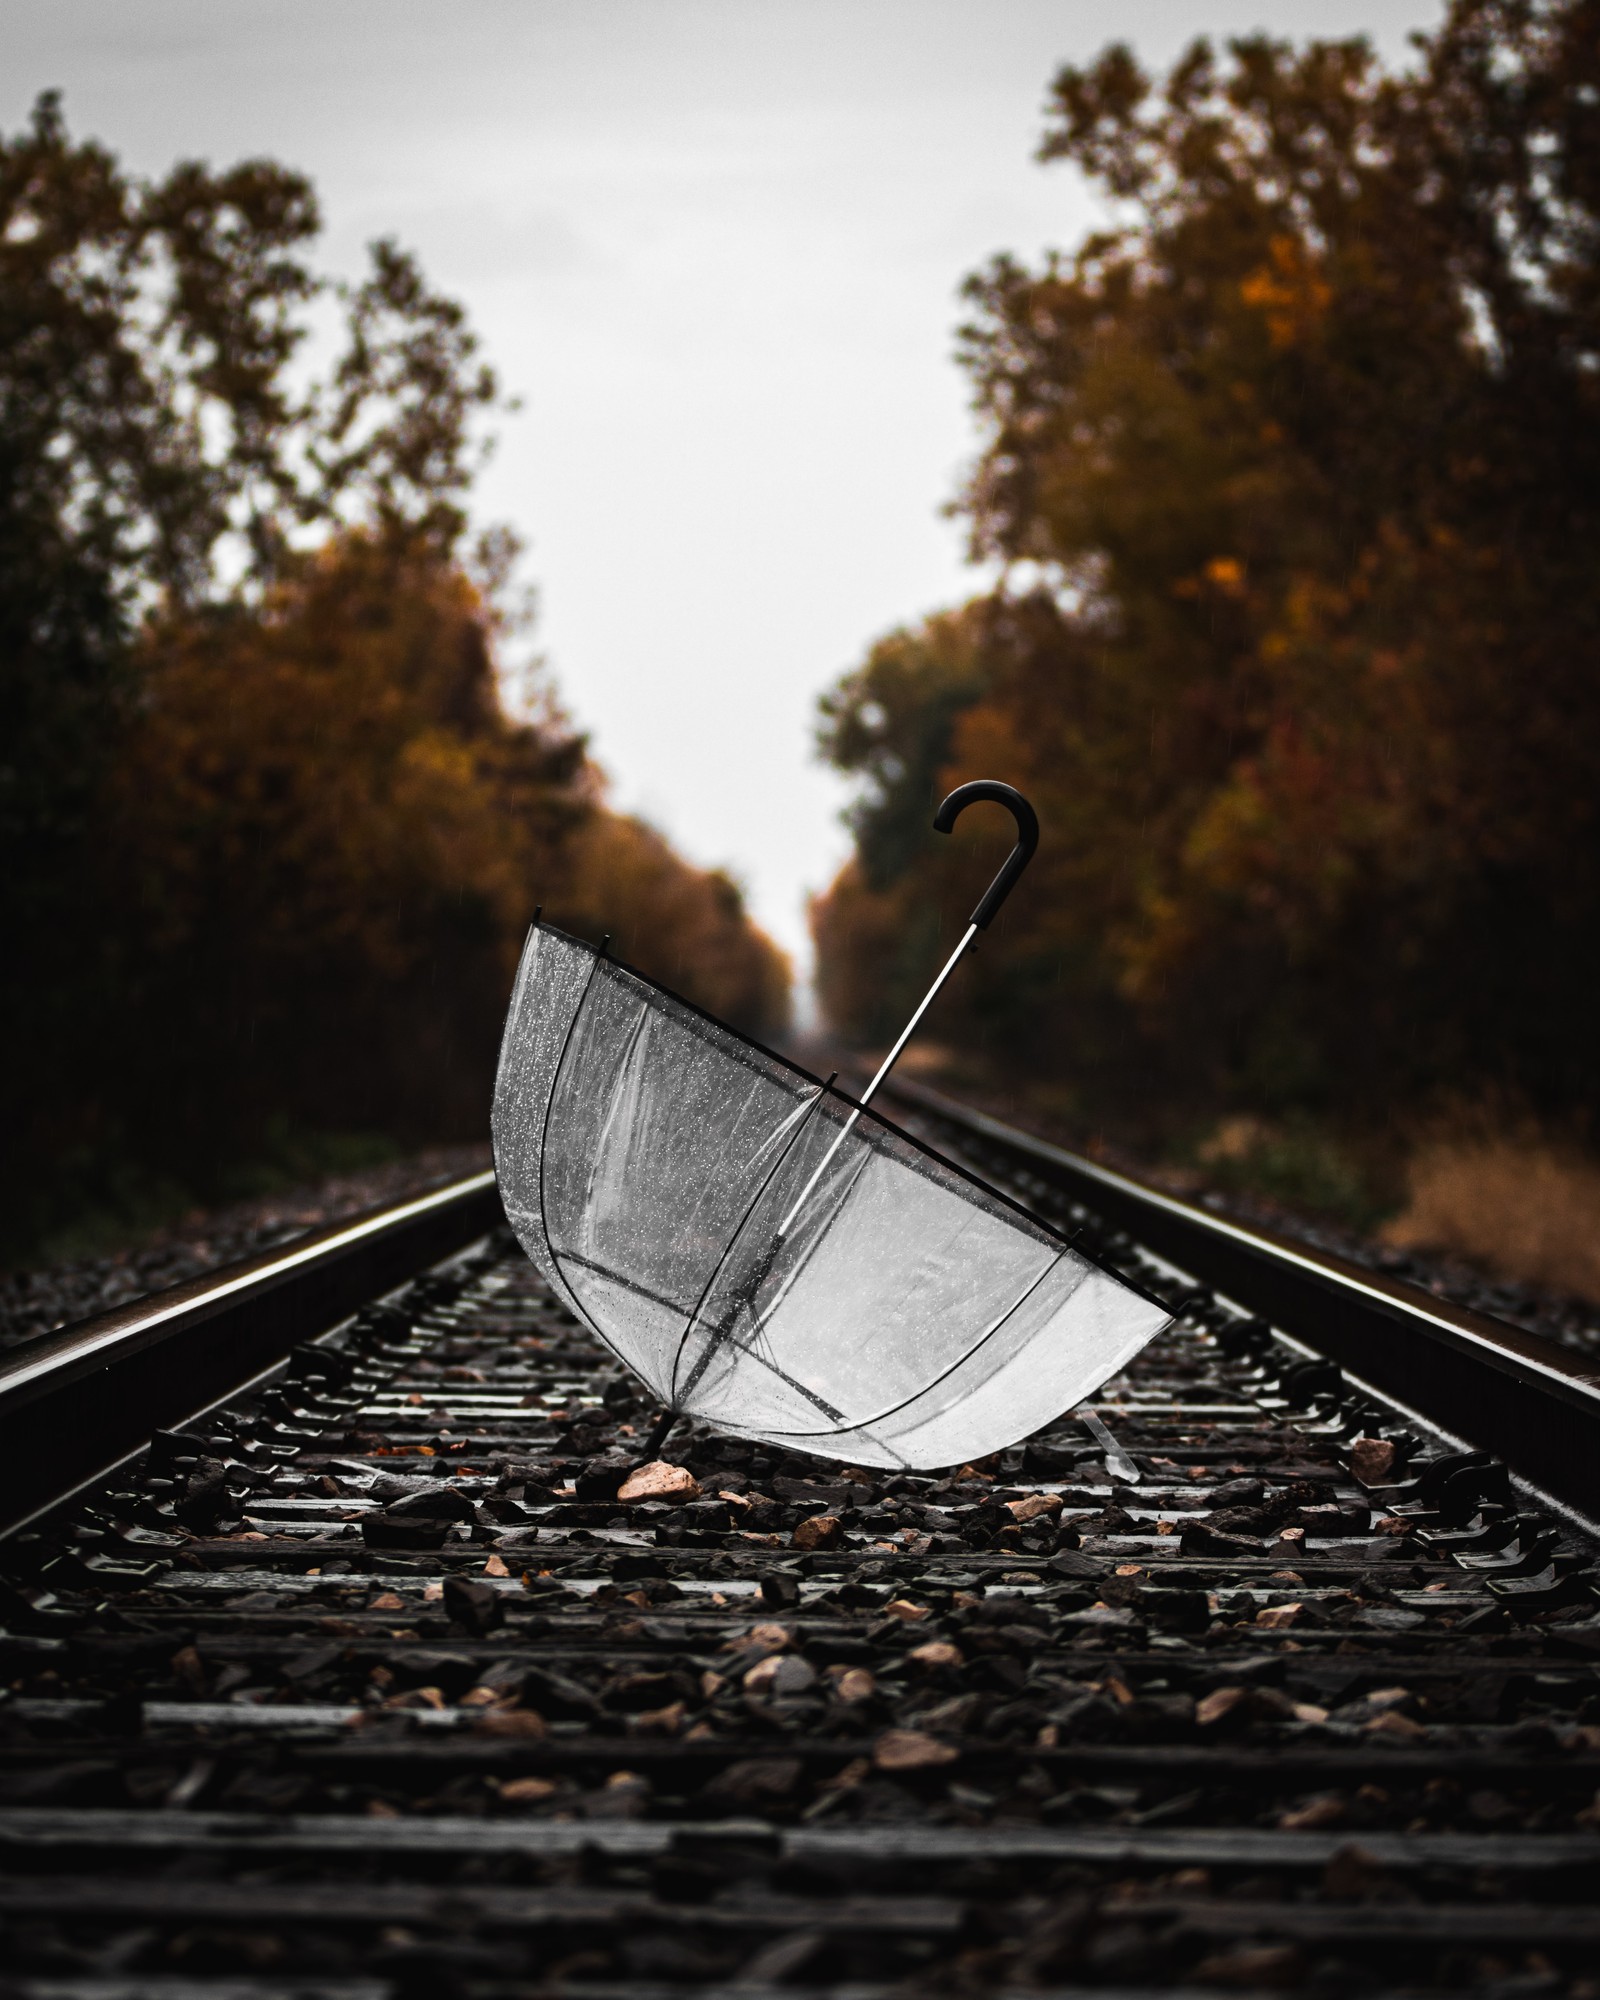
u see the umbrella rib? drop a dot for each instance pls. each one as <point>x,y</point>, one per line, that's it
<point>618,1278</point>
<point>544,1141</point>
<point>771,1363</point>
<point>676,1305</point>
<point>926,1159</point>
<point>723,1333</point>
<point>982,1340</point>
<point>961,1360</point>
<point>616,1095</point>
<point>719,1334</point>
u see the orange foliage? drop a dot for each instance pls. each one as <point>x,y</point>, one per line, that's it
<point>683,926</point>
<point>328,840</point>
<point>1302,467</point>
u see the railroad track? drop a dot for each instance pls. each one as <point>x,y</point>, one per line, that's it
<point>364,1671</point>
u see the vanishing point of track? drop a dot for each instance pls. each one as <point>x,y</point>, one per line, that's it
<point>336,1666</point>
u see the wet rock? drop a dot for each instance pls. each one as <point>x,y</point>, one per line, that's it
<point>1372,1460</point>
<point>780,1675</point>
<point>601,1479</point>
<point>205,1495</point>
<point>911,1750</point>
<point>1198,1539</point>
<point>419,1520</point>
<point>475,1606</point>
<point>754,1781</point>
<point>559,1695</point>
<point>634,1694</point>
<point>659,1481</point>
<point>821,1531</point>
<point>1068,1562</point>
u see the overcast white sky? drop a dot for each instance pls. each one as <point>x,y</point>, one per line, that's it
<point>714,246</point>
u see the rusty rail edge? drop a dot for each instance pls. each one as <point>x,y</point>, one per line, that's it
<point>1529,1400</point>
<point>73,1403</point>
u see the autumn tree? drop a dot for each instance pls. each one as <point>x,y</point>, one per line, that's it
<point>1292,473</point>
<point>270,837</point>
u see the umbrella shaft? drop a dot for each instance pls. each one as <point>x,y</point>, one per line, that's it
<point>884,1068</point>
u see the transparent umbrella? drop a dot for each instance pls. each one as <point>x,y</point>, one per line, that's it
<point>768,1253</point>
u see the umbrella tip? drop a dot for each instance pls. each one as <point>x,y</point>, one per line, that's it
<point>538,912</point>
<point>658,1437</point>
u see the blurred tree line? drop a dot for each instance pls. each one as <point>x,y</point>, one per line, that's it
<point>1293,475</point>
<point>271,833</point>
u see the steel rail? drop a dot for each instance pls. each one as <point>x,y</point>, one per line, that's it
<point>75,1402</point>
<point>1529,1400</point>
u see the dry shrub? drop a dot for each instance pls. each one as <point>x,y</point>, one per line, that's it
<point>1520,1206</point>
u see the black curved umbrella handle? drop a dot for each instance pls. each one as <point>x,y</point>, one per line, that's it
<point>1027,838</point>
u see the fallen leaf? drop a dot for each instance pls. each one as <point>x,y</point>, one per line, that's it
<point>511,1722</point>
<point>1278,1616</point>
<point>527,1791</point>
<point>1252,1965</point>
<point>1352,1873</point>
<point>900,1607</point>
<point>1308,1818</point>
<point>428,1697</point>
<point>763,1638</point>
<point>936,1653</point>
<point>1393,1723</point>
<point>658,1721</point>
<point>1221,1702</point>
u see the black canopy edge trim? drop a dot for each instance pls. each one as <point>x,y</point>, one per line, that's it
<point>1072,1242</point>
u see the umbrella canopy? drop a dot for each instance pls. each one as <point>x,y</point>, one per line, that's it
<point>766,1253</point>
